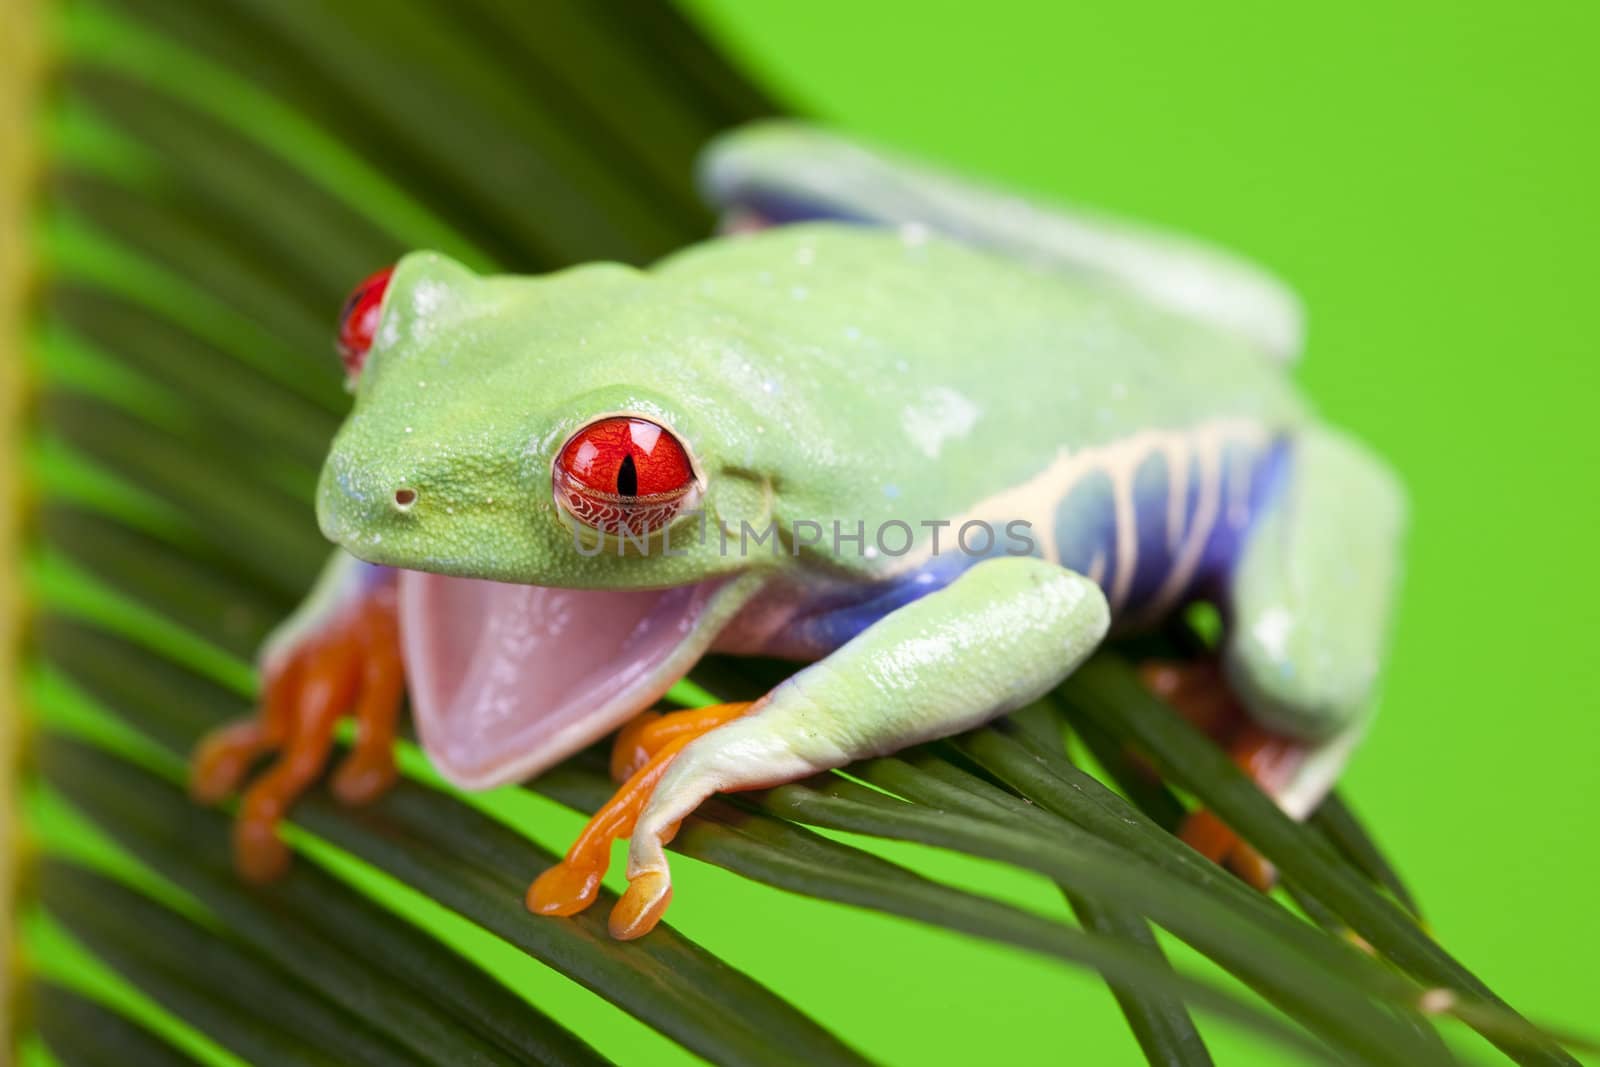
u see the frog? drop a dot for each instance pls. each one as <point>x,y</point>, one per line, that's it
<point>933,440</point>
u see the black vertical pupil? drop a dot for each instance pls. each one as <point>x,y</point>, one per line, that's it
<point>627,478</point>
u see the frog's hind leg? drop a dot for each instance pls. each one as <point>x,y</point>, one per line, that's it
<point>339,654</point>
<point>1295,773</point>
<point>1307,605</point>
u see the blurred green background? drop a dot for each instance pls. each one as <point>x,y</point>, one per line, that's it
<point>1425,174</point>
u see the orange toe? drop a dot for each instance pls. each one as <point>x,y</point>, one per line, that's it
<point>360,781</point>
<point>571,885</point>
<point>370,770</point>
<point>259,854</point>
<point>223,758</point>
<point>564,889</point>
<point>628,752</point>
<point>1254,868</point>
<point>1213,839</point>
<point>348,665</point>
<point>645,735</point>
<point>1208,835</point>
<point>643,750</point>
<point>642,906</point>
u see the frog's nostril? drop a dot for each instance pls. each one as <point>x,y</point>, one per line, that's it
<point>404,497</point>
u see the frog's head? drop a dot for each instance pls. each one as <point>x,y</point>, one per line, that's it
<point>548,432</point>
<point>544,430</point>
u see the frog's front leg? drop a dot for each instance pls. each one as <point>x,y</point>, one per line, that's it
<point>1308,605</point>
<point>338,653</point>
<point>1002,634</point>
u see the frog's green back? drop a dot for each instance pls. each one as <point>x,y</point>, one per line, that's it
<point>784,171</point>
<point>893,374</point>
<point>818,372</point>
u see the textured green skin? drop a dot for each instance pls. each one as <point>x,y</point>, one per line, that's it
<point>789,362</point>
<point>1313,590</point>
<point>821,372</point>
<point>827,175</point>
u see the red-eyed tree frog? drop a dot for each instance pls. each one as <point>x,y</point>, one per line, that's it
<point>931,438</point>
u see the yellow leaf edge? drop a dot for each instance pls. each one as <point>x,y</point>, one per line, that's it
<point>22,69</point>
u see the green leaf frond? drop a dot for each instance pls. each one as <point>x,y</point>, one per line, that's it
<point>213,177</point>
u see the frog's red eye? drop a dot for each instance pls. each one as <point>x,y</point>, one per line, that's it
<point>358,321</point>
<point>623,474</point>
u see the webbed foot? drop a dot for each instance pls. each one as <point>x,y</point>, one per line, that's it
<point>643,751</point>
<point>1198,691</point>
<point>346,661</point>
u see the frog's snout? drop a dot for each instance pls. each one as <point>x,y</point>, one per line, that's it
<point>356,505</point>
<point>443,505</point>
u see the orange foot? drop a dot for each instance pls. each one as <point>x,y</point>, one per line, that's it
<point>1200,694</point>
<point>640,756</point>
<point>351,661</point>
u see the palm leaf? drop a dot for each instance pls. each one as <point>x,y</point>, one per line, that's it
<point>217,176</point>
<point>84,1032</point>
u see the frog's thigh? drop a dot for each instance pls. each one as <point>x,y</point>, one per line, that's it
<point>1310,600</point>
<point>1005,632</point>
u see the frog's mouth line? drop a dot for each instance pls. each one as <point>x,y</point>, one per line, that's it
<point>507,680</point>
